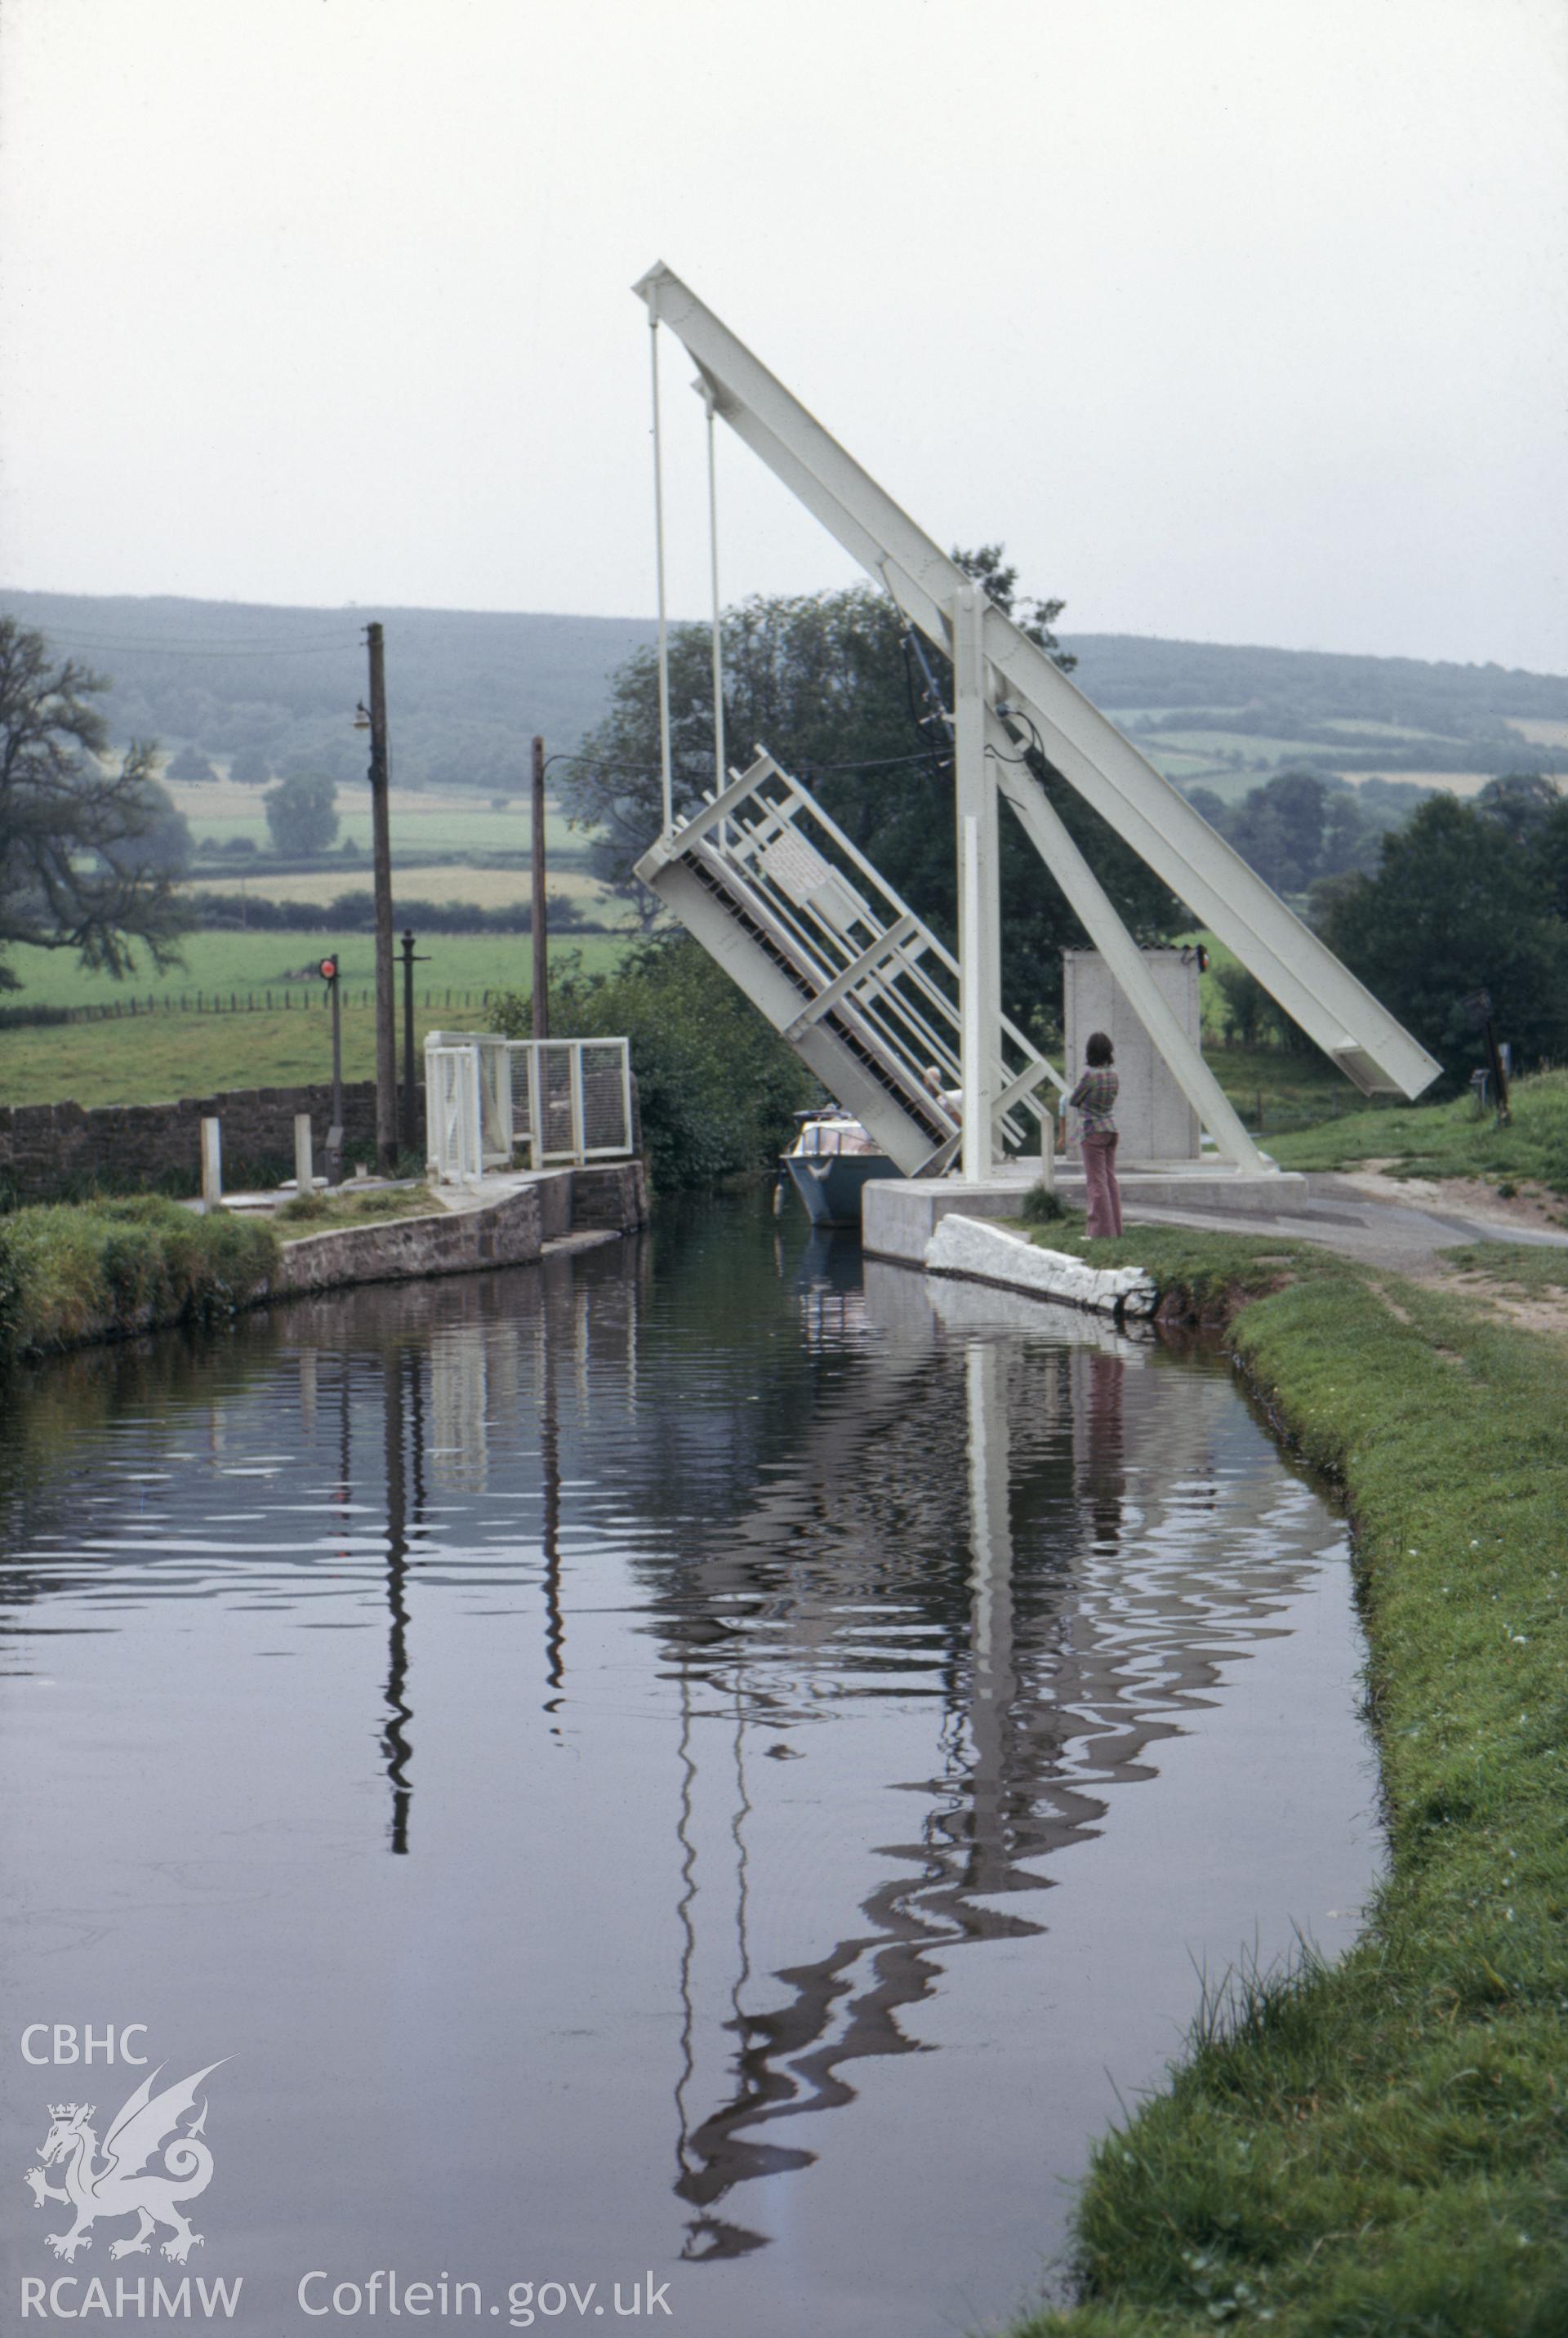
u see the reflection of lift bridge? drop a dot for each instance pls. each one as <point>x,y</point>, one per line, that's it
<point>1057,1681</point>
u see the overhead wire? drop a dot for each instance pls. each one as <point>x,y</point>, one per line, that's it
<point>70,641</point>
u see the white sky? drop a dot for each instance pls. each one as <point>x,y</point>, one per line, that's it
<point>1239,320</point>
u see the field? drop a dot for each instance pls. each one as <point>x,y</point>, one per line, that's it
<point>422,821</point>
<point>435,836</point>
<point>230,963</point>
<point>1223,761</point>
<point>486,889</point>
<point>159,1058</point>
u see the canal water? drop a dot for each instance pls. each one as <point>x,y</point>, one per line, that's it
<point>708,1769</point>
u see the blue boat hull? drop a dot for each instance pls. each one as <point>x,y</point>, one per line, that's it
<point>830,1184</point>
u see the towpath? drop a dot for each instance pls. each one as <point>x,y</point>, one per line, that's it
<point>1349,1216</point>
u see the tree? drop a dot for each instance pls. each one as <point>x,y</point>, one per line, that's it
<point>84,860</point>
<point>167,840</point>
<point>191,768</point>
<point>1521,801</point>
<point>1296,830</point>
<point>302,814</point>
<point>1455,907</point>
<point>834,685</point>
<point>250,767</point>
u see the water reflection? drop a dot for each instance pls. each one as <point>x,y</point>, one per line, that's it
<point>878,1596</point>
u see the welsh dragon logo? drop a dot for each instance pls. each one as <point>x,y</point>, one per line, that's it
<point>122,2184</point>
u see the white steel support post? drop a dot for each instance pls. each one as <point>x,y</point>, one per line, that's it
<point>666,777</point>
<point>979,925</point>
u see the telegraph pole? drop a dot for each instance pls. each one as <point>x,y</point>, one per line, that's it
<point>381,847</point>
<point>541,914</point>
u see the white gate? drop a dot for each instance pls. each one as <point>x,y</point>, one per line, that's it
<point>554,1103</point>
<point>571,1100</point>
<point>452,1111</point>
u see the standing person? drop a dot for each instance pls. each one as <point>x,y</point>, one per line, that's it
<point>1095,1098</point>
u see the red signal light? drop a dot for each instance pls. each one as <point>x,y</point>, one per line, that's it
<point>328,969</point>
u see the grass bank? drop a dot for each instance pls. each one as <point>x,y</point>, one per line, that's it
<point>321,1213</point>
<point>103,1269</point>
<point>1382,2147</point>
<point>1447,1139</point>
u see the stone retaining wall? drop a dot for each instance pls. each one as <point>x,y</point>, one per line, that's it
<point>509,1234</point>
<point>609,1198</point>
<point>612,1194</point>
<point>50,1151</point>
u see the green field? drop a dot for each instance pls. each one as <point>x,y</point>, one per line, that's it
<point>421,820</point>
<point>413,833</point>
<point>234,962</point>
<point>159,1058</point>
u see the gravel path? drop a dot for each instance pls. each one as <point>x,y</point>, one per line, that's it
<point>1342,1215</point>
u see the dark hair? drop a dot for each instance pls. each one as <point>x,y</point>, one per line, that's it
<point>1098,1050</point>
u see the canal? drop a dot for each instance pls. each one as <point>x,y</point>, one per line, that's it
<point>710,1766</point>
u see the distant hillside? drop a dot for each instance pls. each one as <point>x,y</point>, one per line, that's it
<point>1203,708</point>
<point>466,690</point>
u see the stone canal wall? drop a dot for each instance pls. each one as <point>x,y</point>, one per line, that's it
<point>514,1231</point>
<point>54,1152</point>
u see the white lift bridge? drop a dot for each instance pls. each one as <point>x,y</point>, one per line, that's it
<point>864,991</point>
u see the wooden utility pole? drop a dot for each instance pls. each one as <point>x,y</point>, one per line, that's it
<point>381,847</point>
<point>541,916</point>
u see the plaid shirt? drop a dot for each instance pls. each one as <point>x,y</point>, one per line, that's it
<point>1095,1096</point>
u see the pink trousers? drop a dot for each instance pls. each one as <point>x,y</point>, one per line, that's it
<point>1099,1179</point>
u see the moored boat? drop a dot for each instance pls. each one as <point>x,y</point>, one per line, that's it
<point>830,1163</point>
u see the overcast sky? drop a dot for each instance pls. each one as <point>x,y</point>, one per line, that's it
<point>1239,320</point>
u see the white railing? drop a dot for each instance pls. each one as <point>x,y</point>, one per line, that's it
<point>494,1103</point>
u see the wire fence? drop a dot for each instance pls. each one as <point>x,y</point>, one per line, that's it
<point>314,999</point>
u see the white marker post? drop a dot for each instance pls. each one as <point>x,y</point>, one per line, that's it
<point>212,1165</point>
<point>304,1156</point>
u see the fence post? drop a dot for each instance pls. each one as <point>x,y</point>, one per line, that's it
<point>212,1165</point>
<point>304,1163</point>
<point>574,1077</point>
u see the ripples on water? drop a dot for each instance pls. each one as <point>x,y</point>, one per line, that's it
<point>698,1759</point>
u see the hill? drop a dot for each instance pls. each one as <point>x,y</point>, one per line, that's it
<point>1204,711</point>
<point>467,690</point>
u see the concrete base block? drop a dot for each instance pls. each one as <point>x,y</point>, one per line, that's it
<point>983,1252</point>
<point>899,1215</point>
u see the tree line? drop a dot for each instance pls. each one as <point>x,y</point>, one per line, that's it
<point>1461,897</point>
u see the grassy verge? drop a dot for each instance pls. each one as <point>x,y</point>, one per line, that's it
<point>1444,1140</point>
<point>1533,1271</point>
<point>1382,2146</point>
<point>99,1270</point>
<point>320,1213</point>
